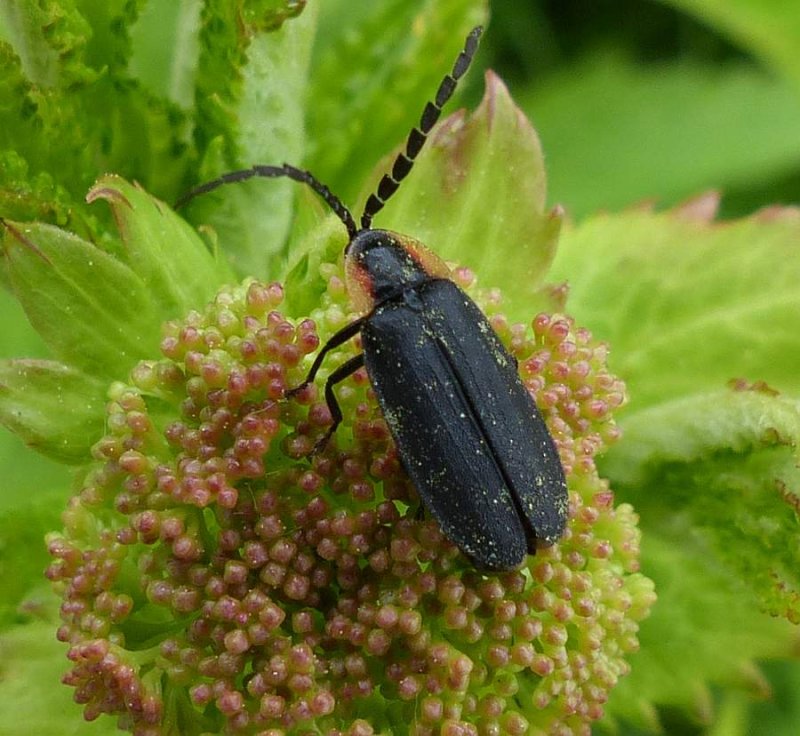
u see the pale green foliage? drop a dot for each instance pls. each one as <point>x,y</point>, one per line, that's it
<point>170,94</point>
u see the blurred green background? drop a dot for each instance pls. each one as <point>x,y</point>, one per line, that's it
<point>638,100</point>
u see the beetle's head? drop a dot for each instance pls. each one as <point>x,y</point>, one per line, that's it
<point>381,264</point>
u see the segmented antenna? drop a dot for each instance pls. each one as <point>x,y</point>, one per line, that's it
<point>273,172</point>
<point>416,138</point>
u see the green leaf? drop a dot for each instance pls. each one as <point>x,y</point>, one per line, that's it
<point>49,37</point>
<point>87,115</point>
<point>693,428</point>
<point>479,188</point>
<point>271,130</point>
<point>393,55</point>
<point>723,466</point>
<point>618,133</point>
<point>92,311</point>
<point>250,110</point>
<point>26,197</point>
<point>165,49</point>
<point>304,282</point>
<point>218,78</point>
<point>17,336</point>
<point>27,190</point>
<point>268,15</point>
<point>56,410</point>
<point>705,630</point>
<point>24,591</point>
<point>24,473</point>
<point>686,305</point>
<point>172,261</point>
<point>33,663</point>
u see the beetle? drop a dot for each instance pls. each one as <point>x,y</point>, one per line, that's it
<point>467,431</point>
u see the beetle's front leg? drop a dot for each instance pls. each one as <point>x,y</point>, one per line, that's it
<point>342,372</point>
<point>341,337</point>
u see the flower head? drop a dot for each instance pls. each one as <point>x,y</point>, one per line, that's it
<point>216,579</point>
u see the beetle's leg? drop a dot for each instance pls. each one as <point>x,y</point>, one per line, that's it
<point>343,371</point>
<point>338,339</point>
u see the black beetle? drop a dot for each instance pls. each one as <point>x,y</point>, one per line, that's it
<point>467,431</point>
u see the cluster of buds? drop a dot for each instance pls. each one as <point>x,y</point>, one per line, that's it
<point>217,579</point>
